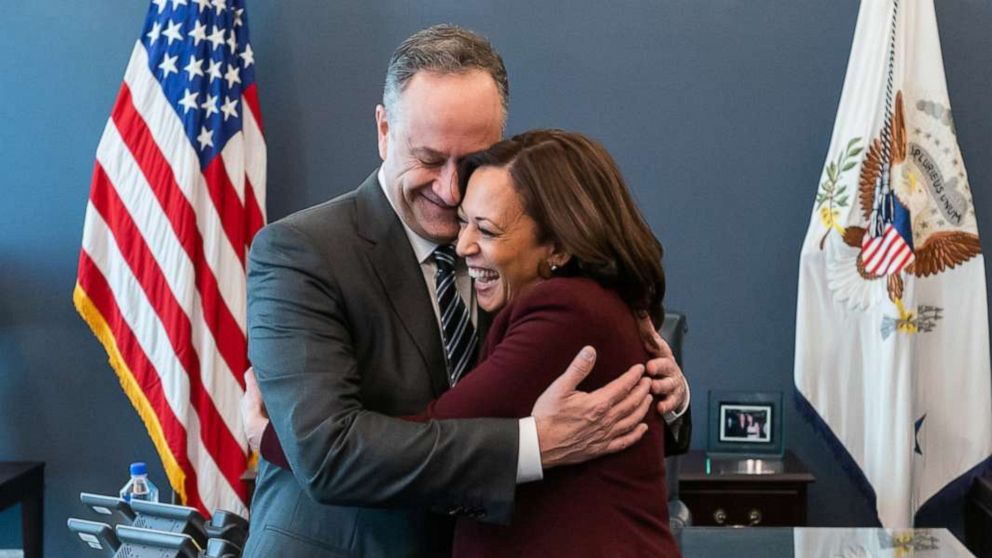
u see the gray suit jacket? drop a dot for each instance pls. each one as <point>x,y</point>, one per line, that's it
<point>342,334</point>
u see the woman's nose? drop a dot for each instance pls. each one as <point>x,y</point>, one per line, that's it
<point>466,244</point>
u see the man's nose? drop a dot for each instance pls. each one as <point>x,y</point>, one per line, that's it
<point>446,186</point>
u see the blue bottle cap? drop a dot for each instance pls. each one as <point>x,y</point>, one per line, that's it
<point>139,468</point>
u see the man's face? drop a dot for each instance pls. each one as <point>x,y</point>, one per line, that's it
<point>437,119</point>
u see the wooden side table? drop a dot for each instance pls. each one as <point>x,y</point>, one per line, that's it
<point>744,492</point>
<point>23,483</point>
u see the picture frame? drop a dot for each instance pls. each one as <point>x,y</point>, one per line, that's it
<point>746,423</point>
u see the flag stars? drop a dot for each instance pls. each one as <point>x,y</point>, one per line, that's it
<point>247,57</point>
<point>203,4</point>
<point>155,33</point>
<point>238,14</point>
<point>172,32</point>
<point>216,37</point>
<point>220,6</point>
<point>199,33</point>
<point>168,65</point>
<point>229,108</point>
<point>232,76</point>
<point>232,42</point>
<point>194,67</point>
<point>214,70</point>
<point>206,138</point>
<point>177,3</point>
<point>188,101</point>
<point>210,106</point>
<point>161,4</point>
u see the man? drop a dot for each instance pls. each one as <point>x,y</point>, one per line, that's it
<point>346,329</point>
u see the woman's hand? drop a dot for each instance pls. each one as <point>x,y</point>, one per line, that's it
<point>253,414</point>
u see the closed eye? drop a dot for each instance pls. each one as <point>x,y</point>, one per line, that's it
<point>432,163</point>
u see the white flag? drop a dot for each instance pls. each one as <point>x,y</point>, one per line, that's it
<point>892,345</point>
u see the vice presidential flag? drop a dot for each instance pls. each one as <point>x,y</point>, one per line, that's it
<point>177,194</point>
<point>892,339</point>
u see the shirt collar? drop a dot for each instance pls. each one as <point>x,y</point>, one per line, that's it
<point>422,247</point>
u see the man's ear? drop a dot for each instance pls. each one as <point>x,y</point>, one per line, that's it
<point>382,130</point>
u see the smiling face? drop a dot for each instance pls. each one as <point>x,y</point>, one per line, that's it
<point>437,118</point>
<point>498,240</point>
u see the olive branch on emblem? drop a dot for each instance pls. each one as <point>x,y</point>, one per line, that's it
<point>832,194</point>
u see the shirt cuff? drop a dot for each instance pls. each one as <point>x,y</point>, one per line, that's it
<point>673,416</point>
<point>529,467</point>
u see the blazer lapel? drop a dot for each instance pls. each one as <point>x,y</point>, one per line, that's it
<point>398,270</point>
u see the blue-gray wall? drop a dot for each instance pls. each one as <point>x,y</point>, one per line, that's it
<point>719,112</point>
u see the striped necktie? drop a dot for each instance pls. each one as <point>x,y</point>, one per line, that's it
<point>457,330</point>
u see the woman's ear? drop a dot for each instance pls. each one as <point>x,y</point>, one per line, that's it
<point>559,257</point>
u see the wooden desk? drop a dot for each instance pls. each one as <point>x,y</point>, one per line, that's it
<point>726,494</point>
<point>23,483</point>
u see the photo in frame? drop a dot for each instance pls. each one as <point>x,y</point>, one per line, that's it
<point>745,422</point>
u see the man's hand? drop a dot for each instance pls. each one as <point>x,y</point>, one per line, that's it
<point>667,381</point>
<point>253,414</point>
<point>573,426</point>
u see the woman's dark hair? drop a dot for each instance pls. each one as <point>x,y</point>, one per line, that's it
<point>574,191</point>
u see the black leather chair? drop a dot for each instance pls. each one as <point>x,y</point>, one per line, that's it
<point>673,331</point>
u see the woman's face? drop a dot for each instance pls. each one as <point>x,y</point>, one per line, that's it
<point>497,239</point>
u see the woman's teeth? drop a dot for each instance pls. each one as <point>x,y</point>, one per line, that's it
<point>482,275</point>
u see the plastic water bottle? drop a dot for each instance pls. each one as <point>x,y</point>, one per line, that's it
<point>139,487</point>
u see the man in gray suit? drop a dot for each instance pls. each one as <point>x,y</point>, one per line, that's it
<point>344,329</point>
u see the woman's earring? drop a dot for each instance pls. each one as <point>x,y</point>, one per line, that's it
<point>544,270</point>
<point>554,268</point>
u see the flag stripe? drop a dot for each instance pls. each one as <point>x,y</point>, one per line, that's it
<point>256,219</point>
<point>250,95</point>
<point>135,370</point>
<point>255,150</point>
<point>231,340</point>
<point>225,199</point>
<point>217,436</point>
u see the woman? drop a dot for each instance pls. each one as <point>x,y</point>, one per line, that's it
<point>555,244</point>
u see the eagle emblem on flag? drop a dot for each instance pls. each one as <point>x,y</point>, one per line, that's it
<point>915,214</point>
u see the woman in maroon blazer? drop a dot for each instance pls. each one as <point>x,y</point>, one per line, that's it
<point>555,244</point>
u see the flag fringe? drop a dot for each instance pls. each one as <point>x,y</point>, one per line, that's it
<point>95,320</point>
<point>843,457</point>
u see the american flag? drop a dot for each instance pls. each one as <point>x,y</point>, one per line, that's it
<point>177,194</point>
<point>887,246</point>
<point>886,254</point>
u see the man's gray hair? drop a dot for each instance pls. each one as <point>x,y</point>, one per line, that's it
<point>444,49</point>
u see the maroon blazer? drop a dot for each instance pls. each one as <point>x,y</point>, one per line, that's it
<point>612,506</point>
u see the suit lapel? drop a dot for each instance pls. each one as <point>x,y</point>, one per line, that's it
<point>398,270</point>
